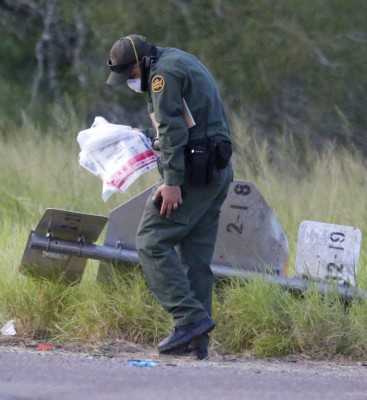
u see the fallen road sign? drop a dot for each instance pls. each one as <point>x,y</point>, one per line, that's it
<point>250,243</point>
<point>59,225</point>
<point>328,252</point>
<point>249,238</point>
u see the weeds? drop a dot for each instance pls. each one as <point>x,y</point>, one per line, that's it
<point>257,314</point>
<point>39,171</point>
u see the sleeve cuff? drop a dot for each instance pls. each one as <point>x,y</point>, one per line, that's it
<point>148,132</point>
<point>173,178</point>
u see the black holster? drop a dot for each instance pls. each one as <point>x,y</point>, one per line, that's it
<point>203,156</point>
<point>223,153</point>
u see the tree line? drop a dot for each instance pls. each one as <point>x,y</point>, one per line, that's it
<point>297,66</point>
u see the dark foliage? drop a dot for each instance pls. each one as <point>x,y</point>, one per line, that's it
<point>293,65</point>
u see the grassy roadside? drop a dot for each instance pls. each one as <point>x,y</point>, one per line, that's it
<point>39,170</point>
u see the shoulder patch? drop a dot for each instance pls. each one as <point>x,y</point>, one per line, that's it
<point>157,84</point>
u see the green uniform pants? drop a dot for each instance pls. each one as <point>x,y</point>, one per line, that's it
<point>176,252</point>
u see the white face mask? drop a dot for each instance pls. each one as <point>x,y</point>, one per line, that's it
<point>135,84</point>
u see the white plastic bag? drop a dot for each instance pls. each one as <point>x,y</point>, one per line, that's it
<point>8,329</point>
<point>117,154</point>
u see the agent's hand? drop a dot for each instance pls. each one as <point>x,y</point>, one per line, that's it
<point>171,198</point>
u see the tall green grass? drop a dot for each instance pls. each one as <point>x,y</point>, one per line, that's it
<point>40,169</point>
<point>328,186</point>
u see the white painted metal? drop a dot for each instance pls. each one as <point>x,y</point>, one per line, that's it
<point>328,252</point>
<point>250,243</point>
<point>62,225</point>
<point>249,237</point>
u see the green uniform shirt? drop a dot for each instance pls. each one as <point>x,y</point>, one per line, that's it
<point>177,76</point>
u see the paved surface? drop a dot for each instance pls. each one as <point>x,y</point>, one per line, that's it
<point>46,375</point>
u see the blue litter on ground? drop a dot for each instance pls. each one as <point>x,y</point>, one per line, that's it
<point>141,363</point>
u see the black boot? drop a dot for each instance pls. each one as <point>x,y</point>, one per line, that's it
<point>181,336</point>
<point>199,347</point>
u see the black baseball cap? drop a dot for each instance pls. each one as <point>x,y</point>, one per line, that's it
<point>124,55</point>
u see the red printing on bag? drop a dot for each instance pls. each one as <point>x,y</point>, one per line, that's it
<point>119,178</point>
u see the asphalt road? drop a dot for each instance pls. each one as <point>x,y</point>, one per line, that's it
<point>47,375</point>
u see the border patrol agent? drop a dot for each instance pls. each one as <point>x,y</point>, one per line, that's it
<point>177,233</point>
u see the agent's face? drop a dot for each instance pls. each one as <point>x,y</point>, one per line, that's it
<point>135,73</point>
<point>134,81</point>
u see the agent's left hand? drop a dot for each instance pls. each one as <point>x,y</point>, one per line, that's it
<point>171,198</point>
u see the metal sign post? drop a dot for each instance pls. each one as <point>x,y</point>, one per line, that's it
<point>55,226</point>
<point>250,243</point>
<point>249,238</point>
